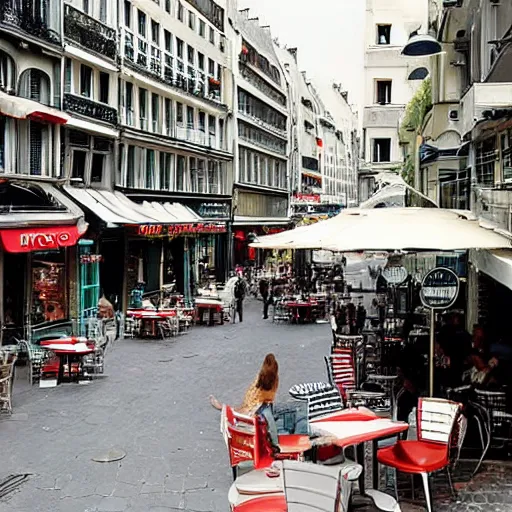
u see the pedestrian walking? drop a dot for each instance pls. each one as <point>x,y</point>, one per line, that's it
<point>265,294</point>
<point>240,291</point>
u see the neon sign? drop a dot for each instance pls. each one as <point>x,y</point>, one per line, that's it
<point>173,230</point>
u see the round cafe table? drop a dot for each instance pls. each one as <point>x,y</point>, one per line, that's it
<point>68,353</point>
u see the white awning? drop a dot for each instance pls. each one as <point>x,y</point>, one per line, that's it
<point>392,229</point>
<point>115,209</point>
<point>89,57</point>
<point>22,108</point>
<point>94,128</point>
<point>496,264</point>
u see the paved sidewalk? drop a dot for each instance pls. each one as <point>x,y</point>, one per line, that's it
<point>152,406</point>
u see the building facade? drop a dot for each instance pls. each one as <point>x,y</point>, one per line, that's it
<point>390,82</point>
<point>261,137</point>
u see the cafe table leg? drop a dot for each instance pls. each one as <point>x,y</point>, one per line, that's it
<point>360,460</point>
<point>375,465</point>
<point>60,375</point>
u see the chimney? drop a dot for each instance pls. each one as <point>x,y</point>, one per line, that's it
<point>244,13</point>
<point>293,53</point>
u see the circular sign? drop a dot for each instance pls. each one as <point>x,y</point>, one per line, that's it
<point>440,288</point>
<point>395,275</point>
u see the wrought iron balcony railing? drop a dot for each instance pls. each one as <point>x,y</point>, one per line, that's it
<point>23,17</point>
<point>90,108</point>
<point>89,32</point>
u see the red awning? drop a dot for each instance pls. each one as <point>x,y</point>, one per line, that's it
<point>39,239</point>
<point>23,108</point>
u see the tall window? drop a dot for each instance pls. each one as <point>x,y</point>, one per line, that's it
<point>141,19</point>
<point>202,28</point>
<point>7,79</point>
<point>181,14</point>
<point>212,35</point>
<point>104,87</point>
<point>202,121</point>
<point>165,170</point>
<point>103,11</point>
<point>150,168</point>
<point>190,118</point>
<point>127,14</point>
<point>155,32</point>
<point>155,111</point>
<point>191,20</point>
<point>35,85</point>
<point>91,157</point>
<point>179,113</point>
<point>180,173</point>
<point>143,106</point>
<point>129,103</point>
<point>168,117</point>
<point>85,81</point>
<point>130,167</point>
<point>383,92</point>
<point>486,158</point>
<point>381,150</point>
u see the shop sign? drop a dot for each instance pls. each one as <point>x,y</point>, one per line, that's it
<point>395,275</point>
<point>39,239</point>
<point>214,210</point>
<point>440,288</point>
<point>173,230</point>
<point>306,198</point>
<point>91,258</point>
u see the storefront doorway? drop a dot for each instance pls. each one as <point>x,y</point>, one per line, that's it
<point>14,285</point>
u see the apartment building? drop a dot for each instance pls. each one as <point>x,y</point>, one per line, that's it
<point>390,82</point>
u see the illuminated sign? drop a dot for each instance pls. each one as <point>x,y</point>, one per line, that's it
<point>39,239</point>
<point>306,198</point>
<point>173,230</point>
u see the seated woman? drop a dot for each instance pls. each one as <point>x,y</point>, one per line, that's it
<point>481,365</point>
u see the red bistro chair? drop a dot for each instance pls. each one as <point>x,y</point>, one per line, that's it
<point>431,452</point>
<point>341,370</point>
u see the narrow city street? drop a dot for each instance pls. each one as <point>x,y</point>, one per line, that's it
<point>152,410</point>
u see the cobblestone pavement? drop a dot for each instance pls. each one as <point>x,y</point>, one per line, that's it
<point>153,405</point>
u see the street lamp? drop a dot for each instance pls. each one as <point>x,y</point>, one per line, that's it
<point>421,45</point>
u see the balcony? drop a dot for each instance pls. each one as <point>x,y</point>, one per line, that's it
<point>481,97</point>
<point>89,33</point>
<point>197,137</point>
<point>21,17</point>
<point>378,116</point>
<point>90,108</point>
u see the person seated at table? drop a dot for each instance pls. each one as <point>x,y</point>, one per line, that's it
<point>481,363</point>
<point>263,391</point>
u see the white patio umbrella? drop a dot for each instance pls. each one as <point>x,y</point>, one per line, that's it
<point>391,229</point>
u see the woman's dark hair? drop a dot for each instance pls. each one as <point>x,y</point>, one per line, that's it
<point>268,376</point>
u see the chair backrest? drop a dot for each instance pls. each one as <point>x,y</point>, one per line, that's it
<point>341,370</point>
<point>264,451</point>
<point>240,437</point>
<point>436,418</point>
<point>323,403</point>
<point>311,487</point>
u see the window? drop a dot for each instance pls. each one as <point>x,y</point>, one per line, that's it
<point>35,85</point>
<point>191,20</point>
<point>202,121</point>
<point>150,168</point>
<point>165,171</point>
<point>7,78</point>
<point>85,81</point>
<point>85,6</point>
<point>181,14</point>
<point>200,61</point>
<point>130,167</point>
<point>506,156</point>
<point>127,14</point>
<point>383,92</point>
<point>168,117</point>
<point>103,11</point>
<point>221,133</point>
<point>418,74</point>
<point>168,41</point>
<point>190,118</point>
<point>381,150</point>
<point>202,28</point>
<point>180,174</point>
<point>168,6</point>
<point>90,157</point>
<point>212,35</point>
<point>104,87</point>
<point>155,111</point>
<point>143,101</point>
<point>190,54</point>
<point>383,34</point>
<point>179,113</point>
<point>98,161</point>
<point>78,165</point>
<point>454,189</point>
<point>211,67</point>
<point>141,22</point>
<point>155,32</point>
<point>486,156</point>
<point>129,103</point>
<point>179,48</point>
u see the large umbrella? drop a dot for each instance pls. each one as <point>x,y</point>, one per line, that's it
<point>391,229</point>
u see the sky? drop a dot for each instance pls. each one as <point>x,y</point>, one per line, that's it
<point>329,35</point>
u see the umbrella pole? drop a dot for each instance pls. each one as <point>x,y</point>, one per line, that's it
<point>432,351</point>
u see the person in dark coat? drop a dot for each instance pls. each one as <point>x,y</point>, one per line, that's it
<point>265,294</point>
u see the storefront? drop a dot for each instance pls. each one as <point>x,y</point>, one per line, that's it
<point>38,263</point>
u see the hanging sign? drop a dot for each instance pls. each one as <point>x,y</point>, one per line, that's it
<point>440,288</point>
<point>172,230</point>
<point>395,275</point>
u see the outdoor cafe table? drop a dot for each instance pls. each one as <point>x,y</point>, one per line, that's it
<point>149,319</point>
<point>210,304</point>
<point>304,306</point>
<point>354,427</point>
<point>68,350</point>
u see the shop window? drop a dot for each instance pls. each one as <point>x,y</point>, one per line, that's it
<point>383,91</point>
<point>381,150</point>
<point>48,300</point>
<point>35,85</point>
<point>383,34</point>
<point>486,156</point>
